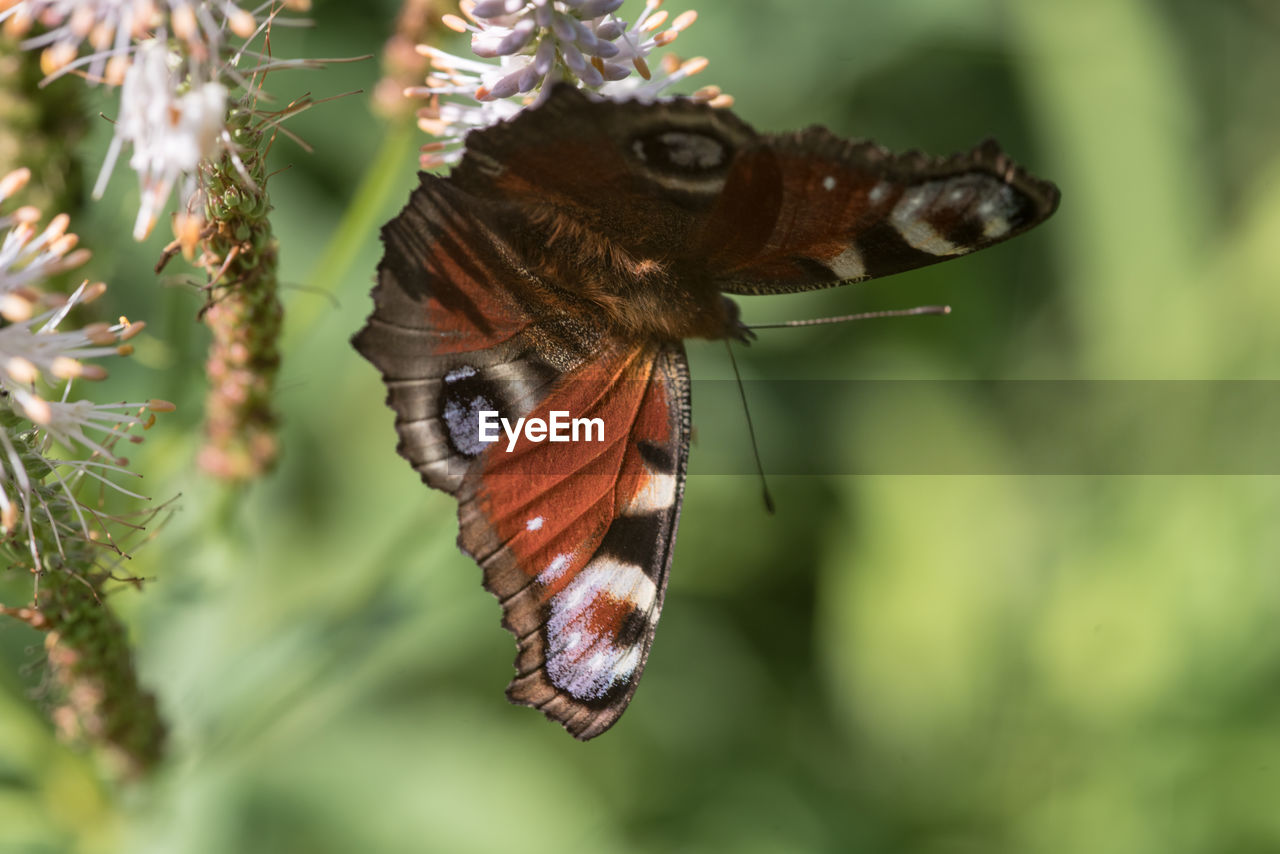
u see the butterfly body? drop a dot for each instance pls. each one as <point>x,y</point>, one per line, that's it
<point>558,269</point>
<point>640,286</point>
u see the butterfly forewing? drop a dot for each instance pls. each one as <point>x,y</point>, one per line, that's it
<point>824,211</point>
<point>576,539</point>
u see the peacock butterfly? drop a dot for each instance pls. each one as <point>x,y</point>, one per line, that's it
<point>555,273</point>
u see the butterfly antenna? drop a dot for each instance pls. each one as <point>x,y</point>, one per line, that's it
<point>866,315</point>
<point>751,430</point>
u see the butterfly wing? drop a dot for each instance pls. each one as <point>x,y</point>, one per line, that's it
<point>575,538</point>
<point>555,272</point>
<point>824,211</point>
<point>746,213</point>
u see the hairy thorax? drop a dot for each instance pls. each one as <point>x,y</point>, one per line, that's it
<point>641,294</point>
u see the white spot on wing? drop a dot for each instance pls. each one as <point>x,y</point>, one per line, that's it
<point>459,374</point>
<point>908,218</point>
<point>829,183</point>
<point>692,150</point>
<point>994,212</point>
<point>631,660</point>
<point>554,570</point>
<point>995,227</point>
<point>534,524</point>
<point>582,658</point>
<point>879,192</point>
<point>658,493</point>
<point>463,421</point>
<point>848,264</point>
<point>620,580</point>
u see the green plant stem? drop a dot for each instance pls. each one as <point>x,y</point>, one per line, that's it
<point>381,181</point>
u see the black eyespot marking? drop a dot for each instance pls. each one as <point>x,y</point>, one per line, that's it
<point>656,457</point>
<point>464,397</point>
<point>632,629</point>
<point>632,539</point>
<point>683,152</point>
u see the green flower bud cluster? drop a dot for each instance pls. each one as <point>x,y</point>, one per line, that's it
<point>244,313</point>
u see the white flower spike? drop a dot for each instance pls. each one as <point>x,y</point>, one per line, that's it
<point>536,44</point>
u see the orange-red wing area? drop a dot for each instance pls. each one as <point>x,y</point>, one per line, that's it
<point>576,536</point>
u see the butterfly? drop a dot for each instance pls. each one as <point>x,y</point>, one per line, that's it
<point>554,275</point>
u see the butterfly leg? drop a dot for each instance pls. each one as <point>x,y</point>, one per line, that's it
<point>735,329</point>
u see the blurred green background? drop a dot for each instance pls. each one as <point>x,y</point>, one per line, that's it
<point>891,663</point>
